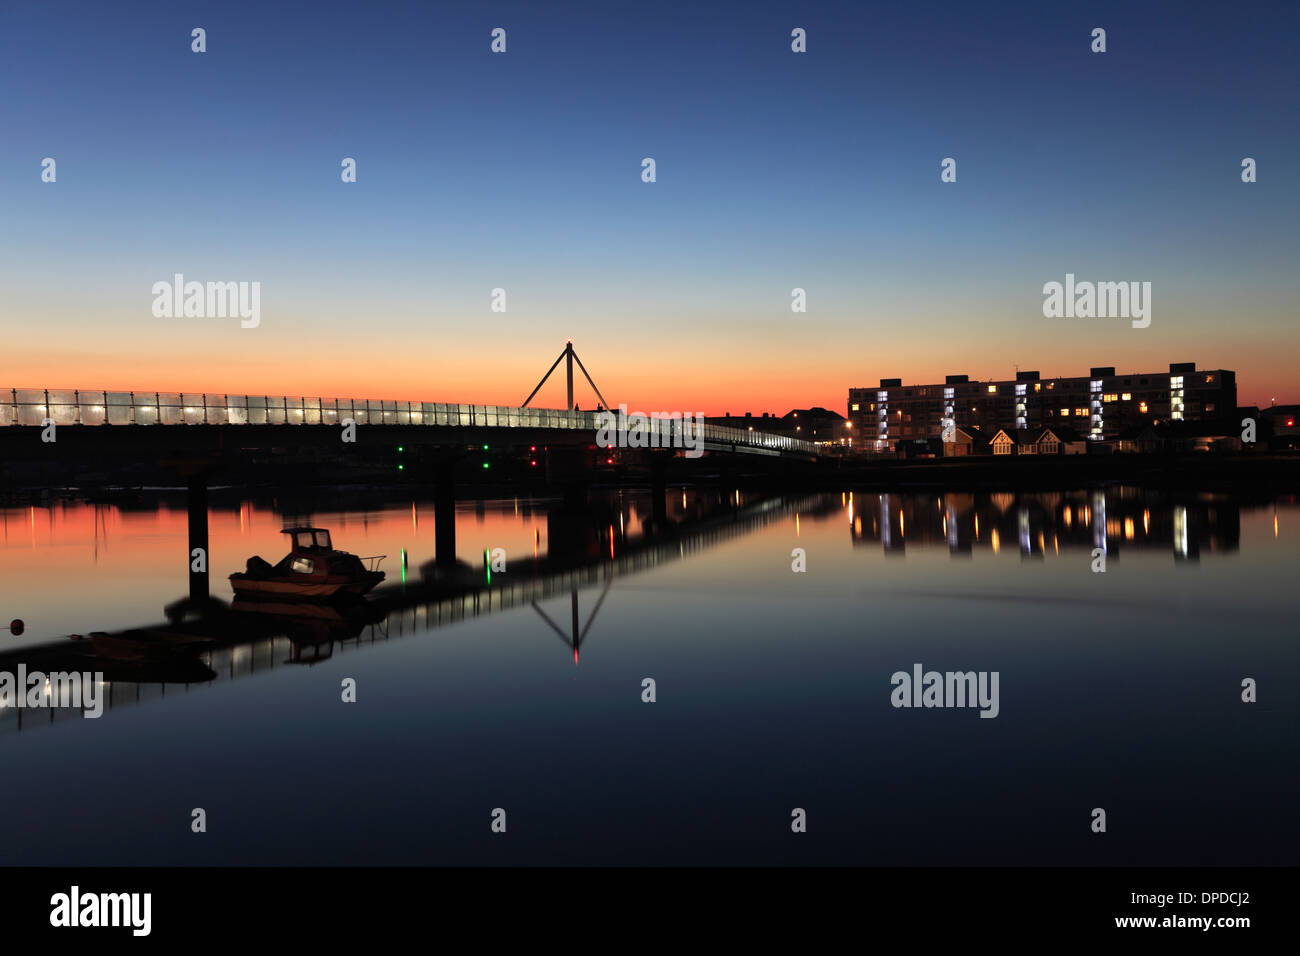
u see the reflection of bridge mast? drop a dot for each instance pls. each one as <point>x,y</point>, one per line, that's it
<point>575,641</point>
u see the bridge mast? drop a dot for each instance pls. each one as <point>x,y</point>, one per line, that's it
<point>568,356</point>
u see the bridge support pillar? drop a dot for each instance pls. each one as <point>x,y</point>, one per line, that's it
<point>197,504</point>
<point>659,490</point>
<point>444,512</point>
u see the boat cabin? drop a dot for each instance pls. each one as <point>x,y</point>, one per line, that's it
<point>307,539</point>
<point>304,542</point>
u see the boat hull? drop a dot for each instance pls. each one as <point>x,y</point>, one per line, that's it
<point>302,590</point>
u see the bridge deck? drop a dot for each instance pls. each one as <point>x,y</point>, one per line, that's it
<point>32,407</point>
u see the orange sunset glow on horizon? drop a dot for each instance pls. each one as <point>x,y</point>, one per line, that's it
<point>764,370</point>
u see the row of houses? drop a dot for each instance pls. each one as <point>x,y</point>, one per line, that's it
<point>1050,440</point>
<point>1061,440</point>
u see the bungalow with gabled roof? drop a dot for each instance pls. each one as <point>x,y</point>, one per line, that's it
<point>965,440</point>
<point>1003,442</point>
<point>1060,440</point>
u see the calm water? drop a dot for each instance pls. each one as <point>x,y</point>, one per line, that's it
<point>1118,690</point>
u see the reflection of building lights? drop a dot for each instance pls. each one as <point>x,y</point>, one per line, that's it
<point>995,541</point>
<point>1128,529</point>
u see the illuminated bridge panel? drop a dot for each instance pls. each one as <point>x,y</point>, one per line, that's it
<point>26,406</point>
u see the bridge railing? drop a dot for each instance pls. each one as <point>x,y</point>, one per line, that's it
<point>27,406</point>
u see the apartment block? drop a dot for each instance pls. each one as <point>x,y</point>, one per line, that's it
<point>1098,405</point>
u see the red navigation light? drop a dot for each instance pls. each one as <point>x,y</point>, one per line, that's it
<point>532,448</point>
<point>1290,423</point>
<point>533,463</point>
<point>609,461</point>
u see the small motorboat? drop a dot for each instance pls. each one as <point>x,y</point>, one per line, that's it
<point>312,570</point>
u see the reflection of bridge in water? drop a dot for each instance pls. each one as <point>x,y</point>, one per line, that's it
<point>1038,524</point>
<point>250,638</point>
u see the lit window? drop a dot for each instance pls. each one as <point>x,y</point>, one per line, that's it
<point>1142,406</point>
<point>1081,412</point>
<point>855,407</point>
<point>1065,411</point>
<point>1110,397</point>
<point>1127,396</point>
<point>993,389</point>
<point>1038,386</point>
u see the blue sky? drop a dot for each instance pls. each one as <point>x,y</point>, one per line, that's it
<point>522,171</point>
